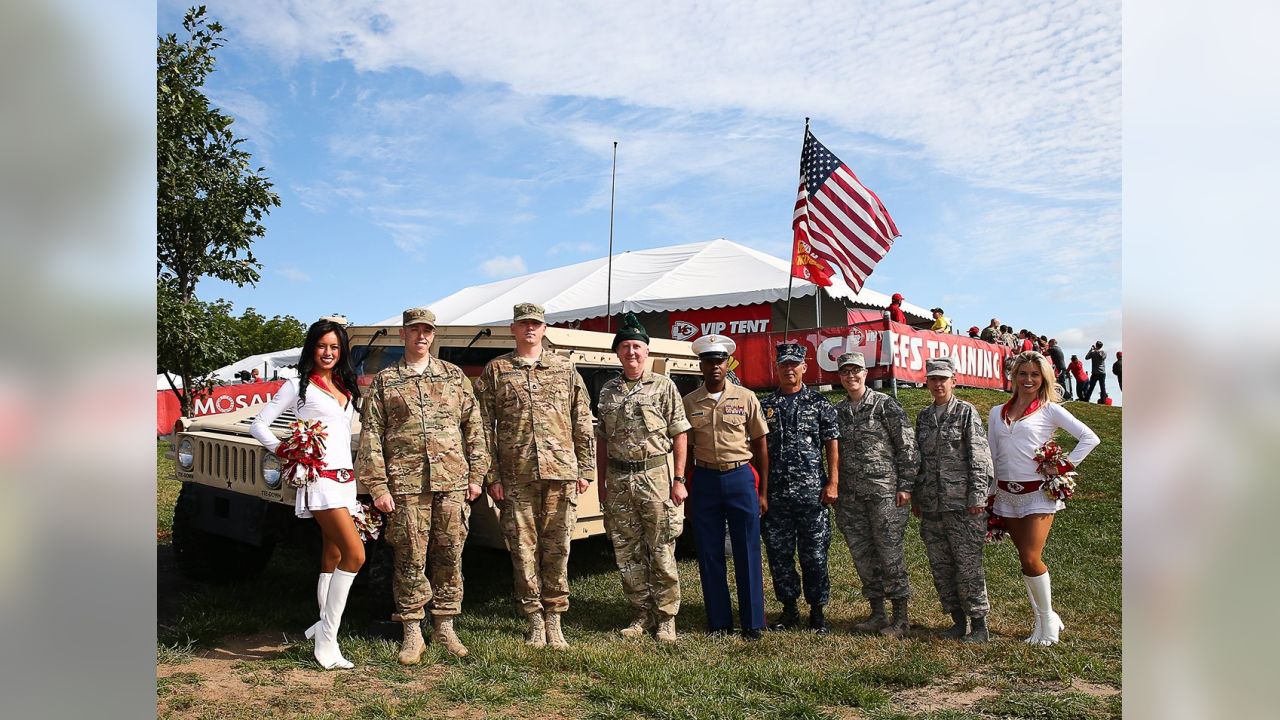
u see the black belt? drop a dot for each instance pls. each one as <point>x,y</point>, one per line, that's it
<point>635,466</point>
<point>722,467</point>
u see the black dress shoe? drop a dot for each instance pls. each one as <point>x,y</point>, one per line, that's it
<point>751,634</point>
<point>720,632</point>
<point>788,620</point>
<point>817,620</point>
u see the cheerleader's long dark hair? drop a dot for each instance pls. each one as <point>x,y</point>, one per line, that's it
<point>344,374</point>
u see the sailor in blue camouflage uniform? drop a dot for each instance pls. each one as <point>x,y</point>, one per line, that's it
<point>802,423</point>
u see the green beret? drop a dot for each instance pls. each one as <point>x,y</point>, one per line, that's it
<point>631,330</point>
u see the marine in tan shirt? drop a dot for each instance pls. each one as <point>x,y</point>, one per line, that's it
<point>728,485</point>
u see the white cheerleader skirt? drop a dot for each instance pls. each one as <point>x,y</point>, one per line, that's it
<point>1010,505</point>
<point>326,494</point>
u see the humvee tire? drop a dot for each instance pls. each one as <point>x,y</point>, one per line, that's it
<point>205,556</point>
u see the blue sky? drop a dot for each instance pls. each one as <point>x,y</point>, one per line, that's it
<point>419,148</point>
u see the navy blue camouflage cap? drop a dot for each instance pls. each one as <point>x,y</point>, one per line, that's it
<point>790,352</point>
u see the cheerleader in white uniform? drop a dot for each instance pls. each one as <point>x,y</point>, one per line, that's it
<point>325,390</point>
<point>1015,431</point>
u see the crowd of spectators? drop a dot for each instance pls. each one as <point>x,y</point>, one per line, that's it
<point>1076,382</point>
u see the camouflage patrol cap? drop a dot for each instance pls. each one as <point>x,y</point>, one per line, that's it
<point>851,358</point>
<point>940,367</point>
<point>528,311</point>
<point>336,320</point>
<point>414,316</point>
<point>790,352</point>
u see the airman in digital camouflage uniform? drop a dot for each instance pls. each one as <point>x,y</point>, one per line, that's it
<point>802,423</point>
<point>878,466</point>
<point>951,498</point>
<point>537,415</point>
<point>423,456</point>
<point>642,422</point>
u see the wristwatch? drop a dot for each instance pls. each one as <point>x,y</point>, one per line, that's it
<point>680,479</point>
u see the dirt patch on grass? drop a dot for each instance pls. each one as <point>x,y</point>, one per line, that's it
<point>252,677</point>
<point>1094,689</point>
<point>944,696</point>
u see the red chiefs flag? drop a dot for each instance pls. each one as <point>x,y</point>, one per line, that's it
<point>807,266</point>
<point>844,223</point>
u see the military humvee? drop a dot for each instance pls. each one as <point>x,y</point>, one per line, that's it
<point>233,508</point>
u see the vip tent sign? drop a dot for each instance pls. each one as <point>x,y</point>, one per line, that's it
<point>731,321</point>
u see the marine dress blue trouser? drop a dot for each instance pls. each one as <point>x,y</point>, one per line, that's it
<point>716,497</point>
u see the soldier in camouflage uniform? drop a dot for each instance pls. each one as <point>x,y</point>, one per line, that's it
<point>423,456</point>
<point>951,500</point>
<point>642,422</point>
<point>802,423</point>
<point>537,415</point>
<point>878,466</point>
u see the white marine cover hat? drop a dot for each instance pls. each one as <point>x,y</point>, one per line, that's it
<point>717,344</point>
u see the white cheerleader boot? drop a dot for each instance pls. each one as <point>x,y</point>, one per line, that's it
<point>1048,624</point>
<point>327,652</point>
<point>1034,638</point>
<point>322,591</point>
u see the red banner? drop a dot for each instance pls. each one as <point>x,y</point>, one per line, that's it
<point>898,353</point>
<point>736,322</point>
<point>224,398</point>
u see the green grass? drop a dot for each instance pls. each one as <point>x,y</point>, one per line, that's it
<point>784,675</point>
<point>166,493</point>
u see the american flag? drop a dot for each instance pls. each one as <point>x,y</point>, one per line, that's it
<point>843,222</point>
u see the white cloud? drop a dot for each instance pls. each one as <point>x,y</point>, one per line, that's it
<point>1023,96</point>
<point>408,237</point>
<point>253,119</point>
<point>503,266</point>
<point>292,273</point>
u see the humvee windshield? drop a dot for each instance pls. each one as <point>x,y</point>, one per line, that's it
<point>472,361</point>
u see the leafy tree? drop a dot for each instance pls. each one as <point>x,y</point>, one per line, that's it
<point>193,335</point>
<point>256,334</point>
<point>210,203</point>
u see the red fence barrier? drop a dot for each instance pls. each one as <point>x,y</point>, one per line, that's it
<point>892,350</point>
<point>224,398</point>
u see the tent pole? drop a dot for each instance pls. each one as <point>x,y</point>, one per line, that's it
<point>608,293</point>
<point>817,306</point>
<point>786,325</point>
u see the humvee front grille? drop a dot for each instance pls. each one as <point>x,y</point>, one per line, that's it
<point>231,465</point>
<point>280,423</point>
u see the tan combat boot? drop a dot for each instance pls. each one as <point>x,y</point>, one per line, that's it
<point>640,626</point>
<point>413,646</point>
<point>555,638</point>
<point>445,635</point>
<point>535,635</point>
<point>667,630</point>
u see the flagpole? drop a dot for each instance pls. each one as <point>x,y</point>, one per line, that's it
<point>608,293</point>
<point>791,276</point>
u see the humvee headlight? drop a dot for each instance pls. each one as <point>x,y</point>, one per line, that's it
<point>271,470</point>
<point>186,454</point>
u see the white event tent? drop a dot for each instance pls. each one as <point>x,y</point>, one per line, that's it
<point>719,273</point>
<point>272,365</point>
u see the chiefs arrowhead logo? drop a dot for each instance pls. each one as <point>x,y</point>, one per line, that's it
<point>683,330</point>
